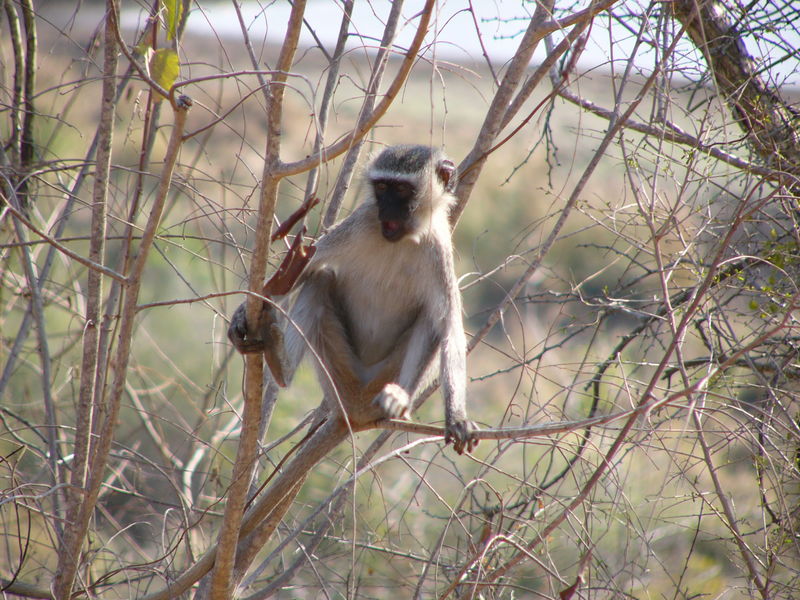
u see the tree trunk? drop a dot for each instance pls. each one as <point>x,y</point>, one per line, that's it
<point>770,124</point>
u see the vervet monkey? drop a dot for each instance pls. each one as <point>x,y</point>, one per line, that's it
<point>379,301</point>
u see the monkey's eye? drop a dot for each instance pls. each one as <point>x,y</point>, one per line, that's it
<point>380,187</point>
<point>403,190</point>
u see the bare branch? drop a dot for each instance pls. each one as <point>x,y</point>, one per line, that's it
<point>375,115</point>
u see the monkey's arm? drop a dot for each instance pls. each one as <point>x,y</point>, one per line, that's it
<point>267,334</point>
<point>312,319</point>
<point>395,398</point>
<point>453,377</point>
<point>453,368</point>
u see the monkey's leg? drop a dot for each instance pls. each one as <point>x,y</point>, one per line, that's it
<point>319,320</point>
<point>394,400</point>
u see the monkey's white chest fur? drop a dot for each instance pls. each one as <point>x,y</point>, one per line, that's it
<point>383,286</point>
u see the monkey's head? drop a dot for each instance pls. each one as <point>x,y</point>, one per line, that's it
<point>408,184</point>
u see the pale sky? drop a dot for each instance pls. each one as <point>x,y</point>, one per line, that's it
<point>458,40</point>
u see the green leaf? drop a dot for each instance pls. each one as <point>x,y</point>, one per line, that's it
<point>173,9</point>
<point>143,49</point>
<point>164,67</point>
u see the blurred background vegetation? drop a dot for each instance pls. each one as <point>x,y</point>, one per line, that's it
<point>585,336</point>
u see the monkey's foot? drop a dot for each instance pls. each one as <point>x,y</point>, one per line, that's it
<point>462,434</point>
<point>393,401</point>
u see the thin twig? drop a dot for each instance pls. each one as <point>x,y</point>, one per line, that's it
<point>61,248</point>
<point>358,132</point>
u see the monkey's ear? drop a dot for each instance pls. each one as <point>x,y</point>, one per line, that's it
<point>446,172</point>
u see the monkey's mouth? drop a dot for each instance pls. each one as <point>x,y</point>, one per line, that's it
<point>392,230</point>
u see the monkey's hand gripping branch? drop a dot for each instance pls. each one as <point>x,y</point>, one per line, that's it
<point>266,335</point>
<point>463,435</point>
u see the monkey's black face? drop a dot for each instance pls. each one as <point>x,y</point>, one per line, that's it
<point>397,201</point>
